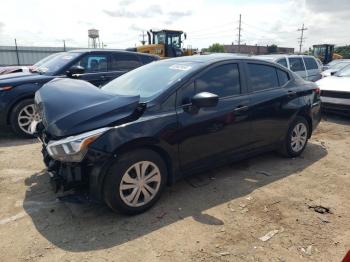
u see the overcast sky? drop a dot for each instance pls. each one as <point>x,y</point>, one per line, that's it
<point>47,23</point>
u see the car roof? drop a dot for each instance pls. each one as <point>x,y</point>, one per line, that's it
<point>208,58</point>
<point>277,56</point>
<point>108,50</point>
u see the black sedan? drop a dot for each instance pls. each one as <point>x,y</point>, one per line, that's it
<point>158,123</point>
<point>95,66</point>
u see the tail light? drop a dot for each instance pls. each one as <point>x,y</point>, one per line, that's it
<point>317,90</point>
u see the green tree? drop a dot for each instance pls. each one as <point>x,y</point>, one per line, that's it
<point>216,48</point>
<point>344,51</point>
<point>272,49</point>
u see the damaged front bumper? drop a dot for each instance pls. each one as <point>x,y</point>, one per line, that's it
<point>86,176</point>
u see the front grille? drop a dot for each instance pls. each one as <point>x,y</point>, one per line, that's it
<point>335,94</point>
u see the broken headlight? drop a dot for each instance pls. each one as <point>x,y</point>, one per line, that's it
<point>73,148</point>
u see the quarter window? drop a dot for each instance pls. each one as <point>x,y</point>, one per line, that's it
<point>283,77</point>
<point>124,61</point>
<point>282,62</point>
<point>262,77</point>
<point>310,63</point>
<point>296,64</point>
<point>222,80</point>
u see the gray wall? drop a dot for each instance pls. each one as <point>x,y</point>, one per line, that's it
<point>27,55</point>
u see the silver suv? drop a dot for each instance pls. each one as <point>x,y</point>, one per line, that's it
<point>307,67</point>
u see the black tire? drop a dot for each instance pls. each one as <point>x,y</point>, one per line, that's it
<point>113,181</point>
<point>286,147</point>
<point>14,117</point>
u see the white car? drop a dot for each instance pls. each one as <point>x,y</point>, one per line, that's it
<point>335,92</point>
<point>307,67</point>
<point>335,66</point>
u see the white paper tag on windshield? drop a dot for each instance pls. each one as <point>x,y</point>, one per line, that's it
<point>180,67</point>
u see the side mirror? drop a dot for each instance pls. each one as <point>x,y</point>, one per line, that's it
<point>205,99</point>
<point>75,70</point>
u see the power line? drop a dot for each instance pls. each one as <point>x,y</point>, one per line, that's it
<point>301,39</point>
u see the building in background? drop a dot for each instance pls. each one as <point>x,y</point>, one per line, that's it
<point>256,49</point>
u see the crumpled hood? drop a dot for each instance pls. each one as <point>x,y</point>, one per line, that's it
<point>70,107</point>
<point>15,79</point>
<point>334,83</point>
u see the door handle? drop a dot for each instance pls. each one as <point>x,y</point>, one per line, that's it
<point>292,93</point>
<point>241,108</point>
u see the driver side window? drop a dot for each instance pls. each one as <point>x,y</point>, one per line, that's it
<point>94,63</point>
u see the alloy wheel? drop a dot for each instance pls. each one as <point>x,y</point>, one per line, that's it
<point>140,184</point>
<point>299,137</point>
<point>26,116</point>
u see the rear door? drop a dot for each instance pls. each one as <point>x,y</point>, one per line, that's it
<point>296,64</point>
<point>312,68</point>
<point>211,134</point>
<point>270,111</point>
<point>121,63</point>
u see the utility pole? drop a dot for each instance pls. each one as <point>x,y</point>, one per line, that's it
<point>64,45</point>
<point>143,41</point>
<point>301,39</point>
<point>239,32</point>
<point>17,55</point>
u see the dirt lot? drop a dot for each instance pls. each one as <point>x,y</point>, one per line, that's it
<point>217,216</point>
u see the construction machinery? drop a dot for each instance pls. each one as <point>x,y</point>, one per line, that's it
<point>164,43</point>
<point>325,52</point>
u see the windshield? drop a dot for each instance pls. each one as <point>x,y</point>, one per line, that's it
<point>50,65</point>
<point>150,80</point>
<point>340,65</point>
<point>333,63</point>
<point>159,38</point>
<point>344,72</point>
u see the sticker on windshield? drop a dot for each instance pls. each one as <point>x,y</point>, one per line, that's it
<point>180,67</point>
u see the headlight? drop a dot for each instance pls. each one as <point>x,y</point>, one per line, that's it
<point>73,148</point>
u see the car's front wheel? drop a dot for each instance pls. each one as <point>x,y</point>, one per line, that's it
<point>135,181</point>
<point>22,115</point>
<point>297,138</point>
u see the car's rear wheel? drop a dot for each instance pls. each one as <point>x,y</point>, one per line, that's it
<point>135,181</point>
<point>22,115</point>
<point>296,138</point>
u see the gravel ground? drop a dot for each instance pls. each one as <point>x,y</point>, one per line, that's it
<point>261,209</point>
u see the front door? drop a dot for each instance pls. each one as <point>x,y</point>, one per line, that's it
<point>211,134</point>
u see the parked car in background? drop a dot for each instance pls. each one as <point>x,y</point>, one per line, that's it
<point>124,142</point>
<point>335,66</point>
<point>307,67</point>
<point>335,92</point>
<point>95,66</point>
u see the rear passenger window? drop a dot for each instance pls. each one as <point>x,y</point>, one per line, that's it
<point>296,64</point>
<point>222,80</point>
<point>282,62</point>
<point>124,61</point>
<point>146,59</point>
<point>283,77</point>
<point>310,63</point>
<point>262,77</point>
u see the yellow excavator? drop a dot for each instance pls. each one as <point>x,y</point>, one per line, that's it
<point>325,52</point>
<point>164,43</point>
